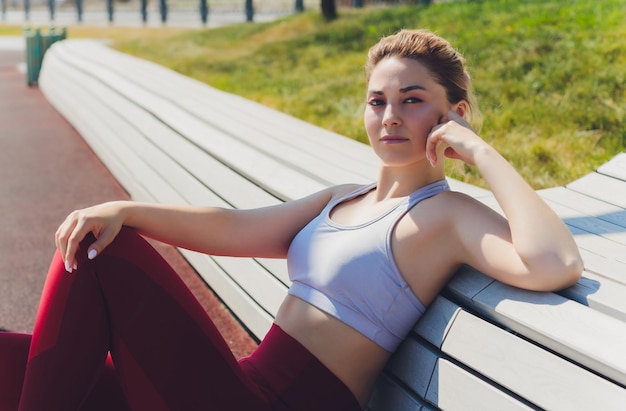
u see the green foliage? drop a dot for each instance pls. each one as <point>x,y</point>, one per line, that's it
<point>549,75</point>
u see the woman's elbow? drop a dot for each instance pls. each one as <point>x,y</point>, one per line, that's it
<point>562,275</point>
<point>573,271</point>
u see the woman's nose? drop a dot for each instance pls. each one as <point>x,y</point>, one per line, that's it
<point>391,117</point>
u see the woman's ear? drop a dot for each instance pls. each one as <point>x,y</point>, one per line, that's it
<point>461,108</point>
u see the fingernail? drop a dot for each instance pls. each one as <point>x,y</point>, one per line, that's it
<point>68,268</point>
<point>92,254</point>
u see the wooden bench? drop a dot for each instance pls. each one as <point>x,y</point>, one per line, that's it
<point>481,345</point>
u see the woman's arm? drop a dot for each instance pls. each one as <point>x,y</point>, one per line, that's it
<point>532,248</point>
<point>262,232</point>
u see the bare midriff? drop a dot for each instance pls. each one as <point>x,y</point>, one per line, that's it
<point>352,357</point>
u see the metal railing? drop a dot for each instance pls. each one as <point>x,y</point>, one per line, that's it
<point>163,12</point>
<point>145,12</point>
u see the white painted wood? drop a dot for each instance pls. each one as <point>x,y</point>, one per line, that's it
<point>451,387</point>
<point>235,149</point>
<point>455,389</point>
<point>602,187</point>
<point>530,371</point>
<point>590,223</point>
<point>269,172</point>
<point>616,167</point>
<point>207,102</point>
<point>585,204</point>
<point>577,332</point>
<point>601,256</point>
<point>599,293</point>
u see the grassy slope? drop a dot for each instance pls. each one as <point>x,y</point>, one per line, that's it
<point>549,76</point>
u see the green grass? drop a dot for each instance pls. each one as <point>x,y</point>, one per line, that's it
<point>549,75</point>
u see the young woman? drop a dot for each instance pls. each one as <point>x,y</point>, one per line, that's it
<point>365,262</point>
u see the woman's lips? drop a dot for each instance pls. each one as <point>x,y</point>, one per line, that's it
<point>393,139</point>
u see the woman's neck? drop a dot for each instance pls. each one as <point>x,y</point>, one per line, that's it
<point>394,182</point>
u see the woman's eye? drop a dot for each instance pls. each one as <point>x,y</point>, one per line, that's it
<point>376,102</point>
<point>413,100</point>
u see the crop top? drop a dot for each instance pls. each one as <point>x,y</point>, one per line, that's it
<point>349,271</point>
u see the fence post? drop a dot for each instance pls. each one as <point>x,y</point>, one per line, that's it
<point>163,10</point>
<point>4,10</point>
<point>27,10</point>
<point>144,11</point>
<point>51,7</point>
<point>110,10</point>
<point>299,6</point>
<point>249,10</point>
<point>204,11</point>
<point>79,10</point>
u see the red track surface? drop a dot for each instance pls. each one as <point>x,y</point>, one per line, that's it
<point>46,171</point>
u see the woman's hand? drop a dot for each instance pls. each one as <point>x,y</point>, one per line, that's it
<point>458,137</point>
<point>104,221</point>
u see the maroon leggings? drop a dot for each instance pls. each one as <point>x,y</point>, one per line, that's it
<point>124,332</point>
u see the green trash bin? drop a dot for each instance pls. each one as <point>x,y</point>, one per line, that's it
<point>36,45</point>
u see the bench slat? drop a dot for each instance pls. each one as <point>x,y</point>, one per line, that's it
<point>615,168</point>
<point>599,293</point>
<point>439,381</point>
<point>221,136</point>
<point>601,256</point>
<point>566,327</point>
<point>270,173</point>
<point>542,378</point>
<point>586,205</point>
<point>602,187</point>
<point>333,150</point>
<point>453,388</point>
<point>533,373</point>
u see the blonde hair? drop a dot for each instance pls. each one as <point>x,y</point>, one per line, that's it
<point>446,65</point>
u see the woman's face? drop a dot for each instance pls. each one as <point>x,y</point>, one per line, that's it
<point>404,103</point>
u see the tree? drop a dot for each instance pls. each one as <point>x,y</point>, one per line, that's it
<point>329,10</point>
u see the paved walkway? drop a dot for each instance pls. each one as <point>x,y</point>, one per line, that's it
<point>46,171</point>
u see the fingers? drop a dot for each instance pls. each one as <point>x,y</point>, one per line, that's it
<point>104,238</point>
<point>61,240</point>
<point>454,116</point>
<point>69,235</point>
<point>104,221</point>
<point>433,140</point>
<point>431,145</point>
<point>67,238</point>
<point>448,134</point>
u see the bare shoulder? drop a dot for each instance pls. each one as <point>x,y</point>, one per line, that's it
<point>458,208</point>
<point>343,189</point>
<point>448,206</point>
